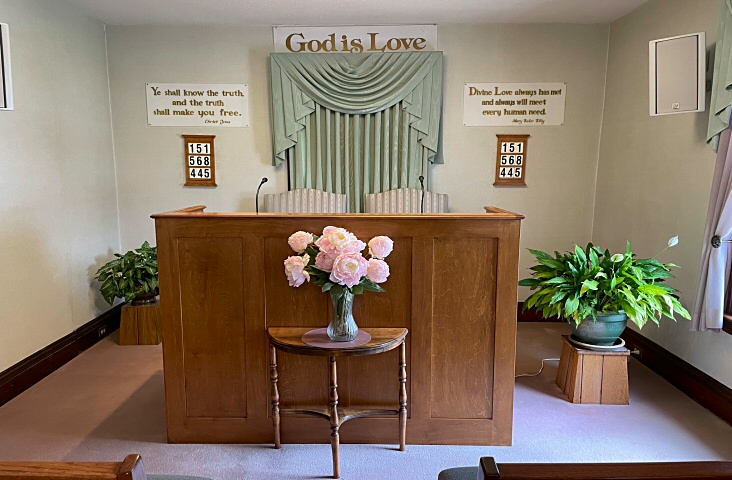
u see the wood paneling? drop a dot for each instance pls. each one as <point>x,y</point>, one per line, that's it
<point>592,379</point>
<point>453,277</point>
<point>615,389</point>
<point>463,318</point>
<point>211,295</point>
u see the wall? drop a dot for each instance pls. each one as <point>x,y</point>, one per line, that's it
<point>59,202</point>
<point>58,206</point>
<point>562,160</point>
<point>655,173</point>
<point>149,159</point>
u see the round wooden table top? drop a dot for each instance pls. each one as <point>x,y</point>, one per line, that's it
<point>289,339</point>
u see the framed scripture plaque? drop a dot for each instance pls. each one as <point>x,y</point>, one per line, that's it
<point>200,160</point>
<point>511,160</point>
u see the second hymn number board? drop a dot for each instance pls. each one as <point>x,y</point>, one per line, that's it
<point>511,160</point>
<point>200,161</point>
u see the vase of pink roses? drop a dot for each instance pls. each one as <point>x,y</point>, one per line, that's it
<point>334,261</point>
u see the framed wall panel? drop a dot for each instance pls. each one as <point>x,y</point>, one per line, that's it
<point>677,67</point>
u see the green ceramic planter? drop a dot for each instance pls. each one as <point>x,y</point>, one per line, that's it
<point>605,331</point>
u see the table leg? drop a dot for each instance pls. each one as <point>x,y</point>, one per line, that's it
<point>334,423</point>
<point>403,397</point>
<point>274,377</point>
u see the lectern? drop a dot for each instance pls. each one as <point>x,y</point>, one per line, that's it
<point>453,285</point>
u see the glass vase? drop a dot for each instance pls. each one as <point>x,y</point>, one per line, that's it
<point>343,327</point>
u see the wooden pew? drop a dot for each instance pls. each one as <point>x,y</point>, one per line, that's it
<point>128,469</point>
<point>490,470</point>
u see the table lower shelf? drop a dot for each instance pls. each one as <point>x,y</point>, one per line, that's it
<point>344,413</point>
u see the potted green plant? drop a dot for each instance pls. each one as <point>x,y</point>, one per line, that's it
<point>597,292</point>
<point>132,276</point>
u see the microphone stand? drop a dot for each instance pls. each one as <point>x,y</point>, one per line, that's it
<point>256,200</point>
<point>421,181</point>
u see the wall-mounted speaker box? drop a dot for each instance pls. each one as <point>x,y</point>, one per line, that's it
<point>677,67</point>
<point>6,86</point>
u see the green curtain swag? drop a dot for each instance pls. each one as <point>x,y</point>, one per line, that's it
<point>356,123</point>
<point>721,103</point>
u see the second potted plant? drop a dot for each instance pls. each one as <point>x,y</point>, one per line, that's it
<point>132,276</point>
<point>597,291</point>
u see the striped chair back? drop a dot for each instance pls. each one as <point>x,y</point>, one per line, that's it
<point>306,200</point>
<point>405,200</point>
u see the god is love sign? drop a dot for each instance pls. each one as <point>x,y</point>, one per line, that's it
<point>355,39</point>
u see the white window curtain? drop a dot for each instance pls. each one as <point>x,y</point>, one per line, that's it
<point>715,269</point>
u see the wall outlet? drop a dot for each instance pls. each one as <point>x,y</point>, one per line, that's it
<point>675,106</point>
<point>102,331</point>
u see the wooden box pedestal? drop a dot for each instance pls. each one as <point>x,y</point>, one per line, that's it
<point>586,376</point>
<point>140,325</point>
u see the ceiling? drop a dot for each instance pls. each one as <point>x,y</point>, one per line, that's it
<point>352,12</point>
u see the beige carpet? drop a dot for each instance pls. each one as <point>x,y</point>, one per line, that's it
<point>109,402</point>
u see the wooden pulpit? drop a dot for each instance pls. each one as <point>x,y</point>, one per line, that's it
<point>453,285</point>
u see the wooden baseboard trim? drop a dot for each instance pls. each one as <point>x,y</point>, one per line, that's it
<point>533,315</point>
<point>700,387</point>
<point>727,323</point>
<point>29,371</point>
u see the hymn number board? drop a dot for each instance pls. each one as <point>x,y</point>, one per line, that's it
<point>511,160</point>
<point>200,161</point>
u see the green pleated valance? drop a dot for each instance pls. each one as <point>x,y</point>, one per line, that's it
<point>356,123</point>
<point>721,105</point>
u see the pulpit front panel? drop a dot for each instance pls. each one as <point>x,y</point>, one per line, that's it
<point>214,340</point>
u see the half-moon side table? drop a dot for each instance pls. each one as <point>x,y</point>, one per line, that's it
<point>289,339</point>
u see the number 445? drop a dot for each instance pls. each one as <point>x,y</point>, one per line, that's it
<point>200,173</point>
<point>510,172</point>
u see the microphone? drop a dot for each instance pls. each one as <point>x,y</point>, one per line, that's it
<point>256,201</point>
<point>421,180</point>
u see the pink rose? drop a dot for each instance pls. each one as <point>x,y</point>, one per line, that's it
<point>378,270</point>
<point>295,270</point>
<point>299,241</point>
<point>380,247</point>
<point>348,269</point>
<point>355,246</point>
<point>324,262</point>
<point>335,241</point>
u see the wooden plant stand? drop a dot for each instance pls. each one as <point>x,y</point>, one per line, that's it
<point>140,325</point>
<point>586,376</point>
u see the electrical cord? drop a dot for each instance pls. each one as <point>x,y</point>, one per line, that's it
<point>636,352</point>
<point>540,370</point>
